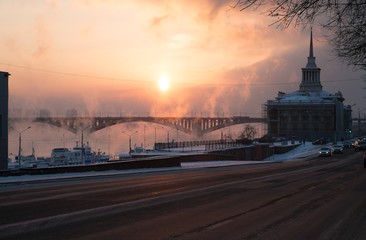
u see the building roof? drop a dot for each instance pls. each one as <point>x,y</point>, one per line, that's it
<point>309,97</point>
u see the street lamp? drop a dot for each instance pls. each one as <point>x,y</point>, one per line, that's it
<point>20,144</point>
<point>82,145</point>
<point>155,140</point>
<point>167,131</point>
<point>129,139</point>
<point>359,120</point>
<point>82,136</point>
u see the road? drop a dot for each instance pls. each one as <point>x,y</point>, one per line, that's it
<point>324,198</point>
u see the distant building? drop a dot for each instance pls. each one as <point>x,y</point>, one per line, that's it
<point>309,113</point>
<point>44,113</point>
<point>71,113</point>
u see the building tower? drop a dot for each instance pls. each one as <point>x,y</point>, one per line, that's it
<point>309,113</point>
<point>311,73</point>
<point>4,99</point>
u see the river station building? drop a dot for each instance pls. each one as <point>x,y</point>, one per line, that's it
<point>309,113</point>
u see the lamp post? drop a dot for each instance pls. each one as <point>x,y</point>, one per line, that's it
<point>359,121</point>
<point>129,139</point>
<point>144,137</point>
<point>82,145</point>
<point>177,135</point>
<point>167,131</point>
<point>155,139</point>
<point>20,144</point>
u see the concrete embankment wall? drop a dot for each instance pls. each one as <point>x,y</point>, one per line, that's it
<point>254,152</point>
<point>117,165</point>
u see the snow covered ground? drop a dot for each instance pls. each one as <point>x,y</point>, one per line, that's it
<point>299,153</point>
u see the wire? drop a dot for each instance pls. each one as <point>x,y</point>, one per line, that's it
<point>183,84</point>
<point>74,74</point>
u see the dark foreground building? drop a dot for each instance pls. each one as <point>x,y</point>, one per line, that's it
<point>309,113</point>
<point>4,98</point>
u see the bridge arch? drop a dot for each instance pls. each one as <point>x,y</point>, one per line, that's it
<point>190,125</point>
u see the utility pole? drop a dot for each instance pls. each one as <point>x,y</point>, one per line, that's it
<point>20,144</point>
<point>167,131</point>
<point>82,145</point>
<point>129,139</point>
<point>144,137</point>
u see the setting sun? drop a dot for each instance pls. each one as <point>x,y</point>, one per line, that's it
<point>164,83</point>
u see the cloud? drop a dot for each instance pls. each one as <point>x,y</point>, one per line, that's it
<point>157,22</point>
<point>200,42</point>
<point>43,38</point>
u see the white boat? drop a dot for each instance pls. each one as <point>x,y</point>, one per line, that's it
<point>60,156</point>
<point>29,161</point>
<point>140,152</point>
<point>74,156</point>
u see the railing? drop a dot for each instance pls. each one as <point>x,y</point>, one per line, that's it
<point>207,145</point>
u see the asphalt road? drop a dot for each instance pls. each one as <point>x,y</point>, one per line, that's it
<point>323,198</point>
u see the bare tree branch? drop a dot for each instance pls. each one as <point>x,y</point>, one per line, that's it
<point>344,20</point>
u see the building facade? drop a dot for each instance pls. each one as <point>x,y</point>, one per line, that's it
<point>309,113</point>
<point>4,98</point>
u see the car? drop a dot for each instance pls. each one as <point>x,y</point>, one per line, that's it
<point>347,144</point>
<point>360,146</point>
<point>325,152</point>
<point>337,148</point>
<point>321,141</point>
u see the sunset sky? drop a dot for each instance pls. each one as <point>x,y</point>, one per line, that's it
<point>106,57</point>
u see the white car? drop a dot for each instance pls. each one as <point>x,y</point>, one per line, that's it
<point>325,152</point>
<point>337,149</point>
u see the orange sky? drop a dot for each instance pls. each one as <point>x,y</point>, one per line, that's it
<point>105,57</point>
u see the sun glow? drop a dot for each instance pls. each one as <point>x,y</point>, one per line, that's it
<point>164,83</point>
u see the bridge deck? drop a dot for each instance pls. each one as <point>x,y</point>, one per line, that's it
<point>190,125</point>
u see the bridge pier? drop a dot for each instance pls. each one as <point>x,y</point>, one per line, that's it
<point>4,115</point>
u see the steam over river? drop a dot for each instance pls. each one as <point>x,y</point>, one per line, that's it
<point>42,138</point>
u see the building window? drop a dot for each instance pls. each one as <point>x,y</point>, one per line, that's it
<point>273,114</point>
<point>273,128</point>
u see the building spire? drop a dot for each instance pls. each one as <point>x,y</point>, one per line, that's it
<point>311,55</point>
<point>311,73</point>
<point>311,59</point>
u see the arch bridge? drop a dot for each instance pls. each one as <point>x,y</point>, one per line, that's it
<point>191,125</point>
